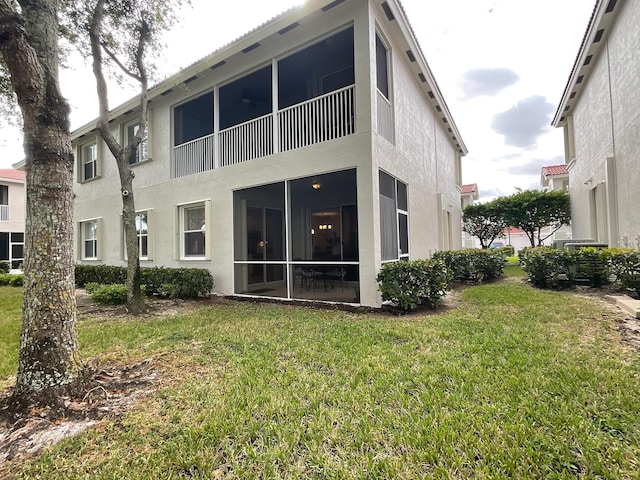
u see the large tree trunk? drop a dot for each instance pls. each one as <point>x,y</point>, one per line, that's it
<point>135,299</point>
<point>49,366</point>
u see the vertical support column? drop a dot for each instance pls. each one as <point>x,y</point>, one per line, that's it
<point>216,126</point>
<point>274,105</point>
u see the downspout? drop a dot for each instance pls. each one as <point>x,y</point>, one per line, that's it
<point>610,169</point>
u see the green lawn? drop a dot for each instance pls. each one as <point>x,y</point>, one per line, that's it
<point>514,383</point>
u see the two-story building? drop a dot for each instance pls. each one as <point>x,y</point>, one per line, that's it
<point>12,211</point>
<point>600,115</point>
<point>292,162</point>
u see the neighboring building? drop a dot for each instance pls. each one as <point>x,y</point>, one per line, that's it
<point>600,115</point>
<point>556,177</point>
<point>468,195</point>
<point>12,211</point>
<point>292,162</point>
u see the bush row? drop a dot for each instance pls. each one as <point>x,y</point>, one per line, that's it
<point>8,279</point>
<point>548,267</point>
<point>473,265</point>
<point>412,283</point>
<point>161,281</point>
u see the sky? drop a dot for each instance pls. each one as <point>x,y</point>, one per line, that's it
<point>501,66</point>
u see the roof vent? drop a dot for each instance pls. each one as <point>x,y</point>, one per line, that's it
<point>573,95</point>
<point>331,5</point>
<point>387,11</point>
<point>598,36</point>
<point>579,79</point>
<point>611,6</point>
<point>587,60</point>
<point>431,95</point>
<point>218,65</point>
<point>422,78</point>
<point>191,79</point>
<point>288,28</point>
<point>166,92</point>
<point>251,47</point>
<point>411,56</point>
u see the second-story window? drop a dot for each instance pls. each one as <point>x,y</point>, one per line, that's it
<point>89,160</point>
<point>140,154</point>
<point>382,68</point>
<point>4,202</point>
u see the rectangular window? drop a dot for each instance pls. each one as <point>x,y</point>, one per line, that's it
<point>4,203</point>
<point>193,231</point>
<point>394,218</point>
<point>382,72</point>
<point>142,231</point>
<point>89,232</point>
<point>140,154</point>
<point>89,161</point>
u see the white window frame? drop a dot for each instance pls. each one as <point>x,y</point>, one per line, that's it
<point>142,154</point>
<point>95,239</point>
<point>91,145</point>
<point>205,229</point>
<point>399,213</point>
<point>139,236</point>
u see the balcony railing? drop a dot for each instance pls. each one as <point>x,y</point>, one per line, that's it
<point>384,117</point>
<point>196,156</point>
<point>317,120</point>
<point>246,141</point>
<point>4,213</point>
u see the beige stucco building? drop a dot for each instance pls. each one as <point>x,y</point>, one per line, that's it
<point>292,162</point>
<point>12,212</point>
<point>600,115</point>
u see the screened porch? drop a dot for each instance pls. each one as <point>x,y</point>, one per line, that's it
<point>311,101</point>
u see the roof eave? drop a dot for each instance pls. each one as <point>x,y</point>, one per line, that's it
<point>602,17</point>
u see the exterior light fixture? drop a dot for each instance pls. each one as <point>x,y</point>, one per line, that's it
<point>316,185</point>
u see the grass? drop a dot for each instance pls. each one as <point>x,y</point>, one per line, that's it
<point>10,311</point>
<point>514,383</point>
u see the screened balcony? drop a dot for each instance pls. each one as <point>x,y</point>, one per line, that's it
<point>314,102</point>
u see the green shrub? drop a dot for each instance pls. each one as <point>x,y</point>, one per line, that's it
<point>113,294</point>
<point>507,251</point>
<point>185,282</point>
<point>409,284</point>
<point>547,267</point>
<point>100,274</point>
<point>177,282</point>
<point>473,265</point>
<point>12,280</point>
<point>591,265</point>
<point>625,265</point>
<point>91,287</point>
<point>4,266</point>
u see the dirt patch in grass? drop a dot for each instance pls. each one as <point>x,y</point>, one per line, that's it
<point>113,390</point>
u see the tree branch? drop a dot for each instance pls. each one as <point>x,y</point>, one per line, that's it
<point>121,65</point>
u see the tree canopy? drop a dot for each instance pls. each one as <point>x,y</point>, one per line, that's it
<point>485,222</point>
<point>534,210</point>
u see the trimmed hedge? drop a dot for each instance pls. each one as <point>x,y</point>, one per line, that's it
<point>473,264</point>
<point>410,284</point>
<point>11,280</point>
<point>160,281</point>
<point>548,267</point>
<point>4,266</point>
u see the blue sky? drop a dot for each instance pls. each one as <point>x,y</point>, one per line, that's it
<point>501,65</point>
